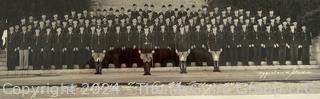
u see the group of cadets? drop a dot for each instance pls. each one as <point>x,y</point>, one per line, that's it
<point>144,36</point>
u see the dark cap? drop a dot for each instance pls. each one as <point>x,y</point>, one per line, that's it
<point>181,6</point>
<point>146,5</point>
<point>170,5</point>
<point>163,6</point>
<point>134,4</point>
<point>111,9</point>
<point>152,5</point>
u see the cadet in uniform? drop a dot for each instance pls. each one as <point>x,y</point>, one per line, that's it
<point>83,47</point>
<point>232,46</point>
<point>12,49</point>
<point>183,49</point>
<point>270,45</point>
<point>256,44</point>
<point>58,46</point>
<point>245,45</point>
<point>214,44</point>
<point>146,50</point>
<point>36,52</point>
<point>47,49</point>
<point>69,48</point>
<point>24,47</point>
<point>306,44</point>
<point>98,50</point>
<point>282,44</point>
<point>293,45</point>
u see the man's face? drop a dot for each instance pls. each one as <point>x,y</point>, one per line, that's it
<point>118,29</point>
<point>24,28</point>
<point>244,26</point>
<point>48,30</point>
<point>11,29</point>
<point>92,28</point>
<point>81,29</point>
<point>303,27</point>
<point>268,28</point>
<point>232,27</point>
<point>216,9</point>
<point>280,27</point>
<point>69,29</point>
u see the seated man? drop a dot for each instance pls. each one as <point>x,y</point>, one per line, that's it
<point>98,50</point>
<point>146,51</point>
<point>214,43</point>
<point>183,49</point>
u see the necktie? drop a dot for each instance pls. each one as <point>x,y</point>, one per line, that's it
<point>47,38</point>
<point>36,40</point>
<point>81,38</point>
<point>98,39</point>
<point>70,38</point>
<point>24,36</point>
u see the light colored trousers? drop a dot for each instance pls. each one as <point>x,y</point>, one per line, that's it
<point>98,57</point>
<point>23,58</point>
<point>146,57</point>
<point>215,55</point>
<point>183,55</point>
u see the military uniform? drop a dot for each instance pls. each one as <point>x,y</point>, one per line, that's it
<point>270,46</point>
<point>146,51</point>
<point>12,51</point>
<point>127,44</point>
<point>232,47</point>
<point>47,50</point>
<point>58,52</point>
<point>245,42</point>
<point>24,46</point>
<point>98,51</point>
<point>215,43</point>
<point>83,47</point>
<point>306,43</point>
<point>282,41</point>
<point>36,52</point>
<point>293,46</point>
<point>183,49</point>
<point>69,49</point>
<point>256,42</point>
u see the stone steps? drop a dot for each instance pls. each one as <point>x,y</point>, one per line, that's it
<point>162,69</point>
<point>3,66</point>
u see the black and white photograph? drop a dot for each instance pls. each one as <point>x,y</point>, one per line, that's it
<point>159,49</point>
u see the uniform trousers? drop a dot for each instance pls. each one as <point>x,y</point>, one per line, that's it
<point>24,58</point>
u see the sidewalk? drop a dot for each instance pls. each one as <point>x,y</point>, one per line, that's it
<point>165,77</point>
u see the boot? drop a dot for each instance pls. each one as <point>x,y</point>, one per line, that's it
<point>216,67</point>
<point>98,68</point>
<point>146,68</point>
<point>184,65</point>
<point>181,67</point>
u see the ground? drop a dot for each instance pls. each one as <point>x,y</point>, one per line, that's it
<point>160,84</point>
